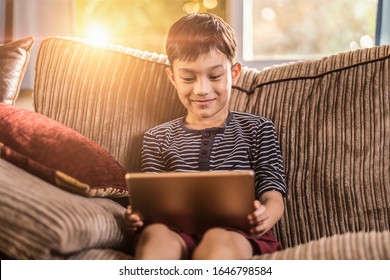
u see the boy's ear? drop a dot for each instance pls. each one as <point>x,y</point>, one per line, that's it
<point>170,75</point>
<point>236,71</point>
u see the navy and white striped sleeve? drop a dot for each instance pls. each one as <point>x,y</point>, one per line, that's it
<point>151,160</point>
<point>269,170</point>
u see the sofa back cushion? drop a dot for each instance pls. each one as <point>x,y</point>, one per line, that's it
<point>332,117</point>
<point>333,121</point>
<point>110,94</point>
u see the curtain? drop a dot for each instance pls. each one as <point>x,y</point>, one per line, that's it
<point>37,18</point>
<point>5,17</point>
<point>382,36</point>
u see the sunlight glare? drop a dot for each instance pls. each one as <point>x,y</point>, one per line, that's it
<point>97,33</point>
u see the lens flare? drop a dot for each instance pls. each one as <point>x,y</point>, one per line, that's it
<point>97,33</point>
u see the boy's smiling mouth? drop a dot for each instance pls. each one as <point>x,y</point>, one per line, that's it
<point>203,102</point>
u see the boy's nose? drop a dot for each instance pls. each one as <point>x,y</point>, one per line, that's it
<point>202,88</point>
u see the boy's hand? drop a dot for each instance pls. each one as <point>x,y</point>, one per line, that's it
<point>133,220</point>
<point>258,219</point>
<point>267,212</point>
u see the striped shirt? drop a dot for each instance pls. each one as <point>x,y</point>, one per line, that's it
<point>245,142</point>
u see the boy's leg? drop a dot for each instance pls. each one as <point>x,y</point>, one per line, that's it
<point>218,244</point>
<point>158,242</point>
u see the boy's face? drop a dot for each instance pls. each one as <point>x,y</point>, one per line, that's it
<point>204,87</point>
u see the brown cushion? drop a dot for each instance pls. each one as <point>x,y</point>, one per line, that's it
<point>14,58</point>
<point>58,154</point>
<point>332,117</point>
<point>109,93</point>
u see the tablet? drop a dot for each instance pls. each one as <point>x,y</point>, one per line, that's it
<point>193,201</point>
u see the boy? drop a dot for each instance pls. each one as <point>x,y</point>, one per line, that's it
<point>201,49</point>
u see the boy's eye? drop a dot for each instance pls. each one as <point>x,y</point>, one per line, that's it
<point>187,79</point>
<point>215,77</point>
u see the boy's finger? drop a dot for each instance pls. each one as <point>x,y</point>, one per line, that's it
<point>260,209</point>
<point>128,210</point>
<point>136,226</point>
<point>253,216</point>
<point>134,217</point>
<point>256,204</point>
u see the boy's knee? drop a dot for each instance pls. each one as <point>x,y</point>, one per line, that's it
<point>155,231</point>
<point>218,243</point>
<point>214,243</point>
<point>216,235</point>
<point>157,241</point>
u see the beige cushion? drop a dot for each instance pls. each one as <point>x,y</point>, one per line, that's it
<point>110,94</point>
<point>333,121</point>
<point>14,58</point>
<point>39,221</point>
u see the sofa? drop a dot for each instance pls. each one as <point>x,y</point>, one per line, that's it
<point>62,189</point>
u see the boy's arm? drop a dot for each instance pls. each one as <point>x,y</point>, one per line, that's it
<point>269,167</point>
<point>273,201</point>
<point>151,160</point>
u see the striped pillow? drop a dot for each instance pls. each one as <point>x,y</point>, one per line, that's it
<point>41,222</point>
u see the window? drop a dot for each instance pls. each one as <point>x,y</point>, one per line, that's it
<point>274,31</point>
<point>137,24</point>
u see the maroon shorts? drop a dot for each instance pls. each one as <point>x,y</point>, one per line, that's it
<point>264,244</point>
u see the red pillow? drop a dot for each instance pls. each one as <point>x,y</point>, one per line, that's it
<point>59,154</point>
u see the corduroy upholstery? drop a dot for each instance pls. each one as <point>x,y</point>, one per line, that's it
<point>39,221</point>
<point>102,93</point>
<point>333,121</point>
<point>332,118</point>
<point>349,246</point>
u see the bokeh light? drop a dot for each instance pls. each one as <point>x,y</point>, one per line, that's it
<point>366,41</point>
<point>210,4</point>
<point>268,14</point>
<point>191,7</point>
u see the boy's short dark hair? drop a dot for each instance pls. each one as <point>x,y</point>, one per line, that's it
<point>197,34</point>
